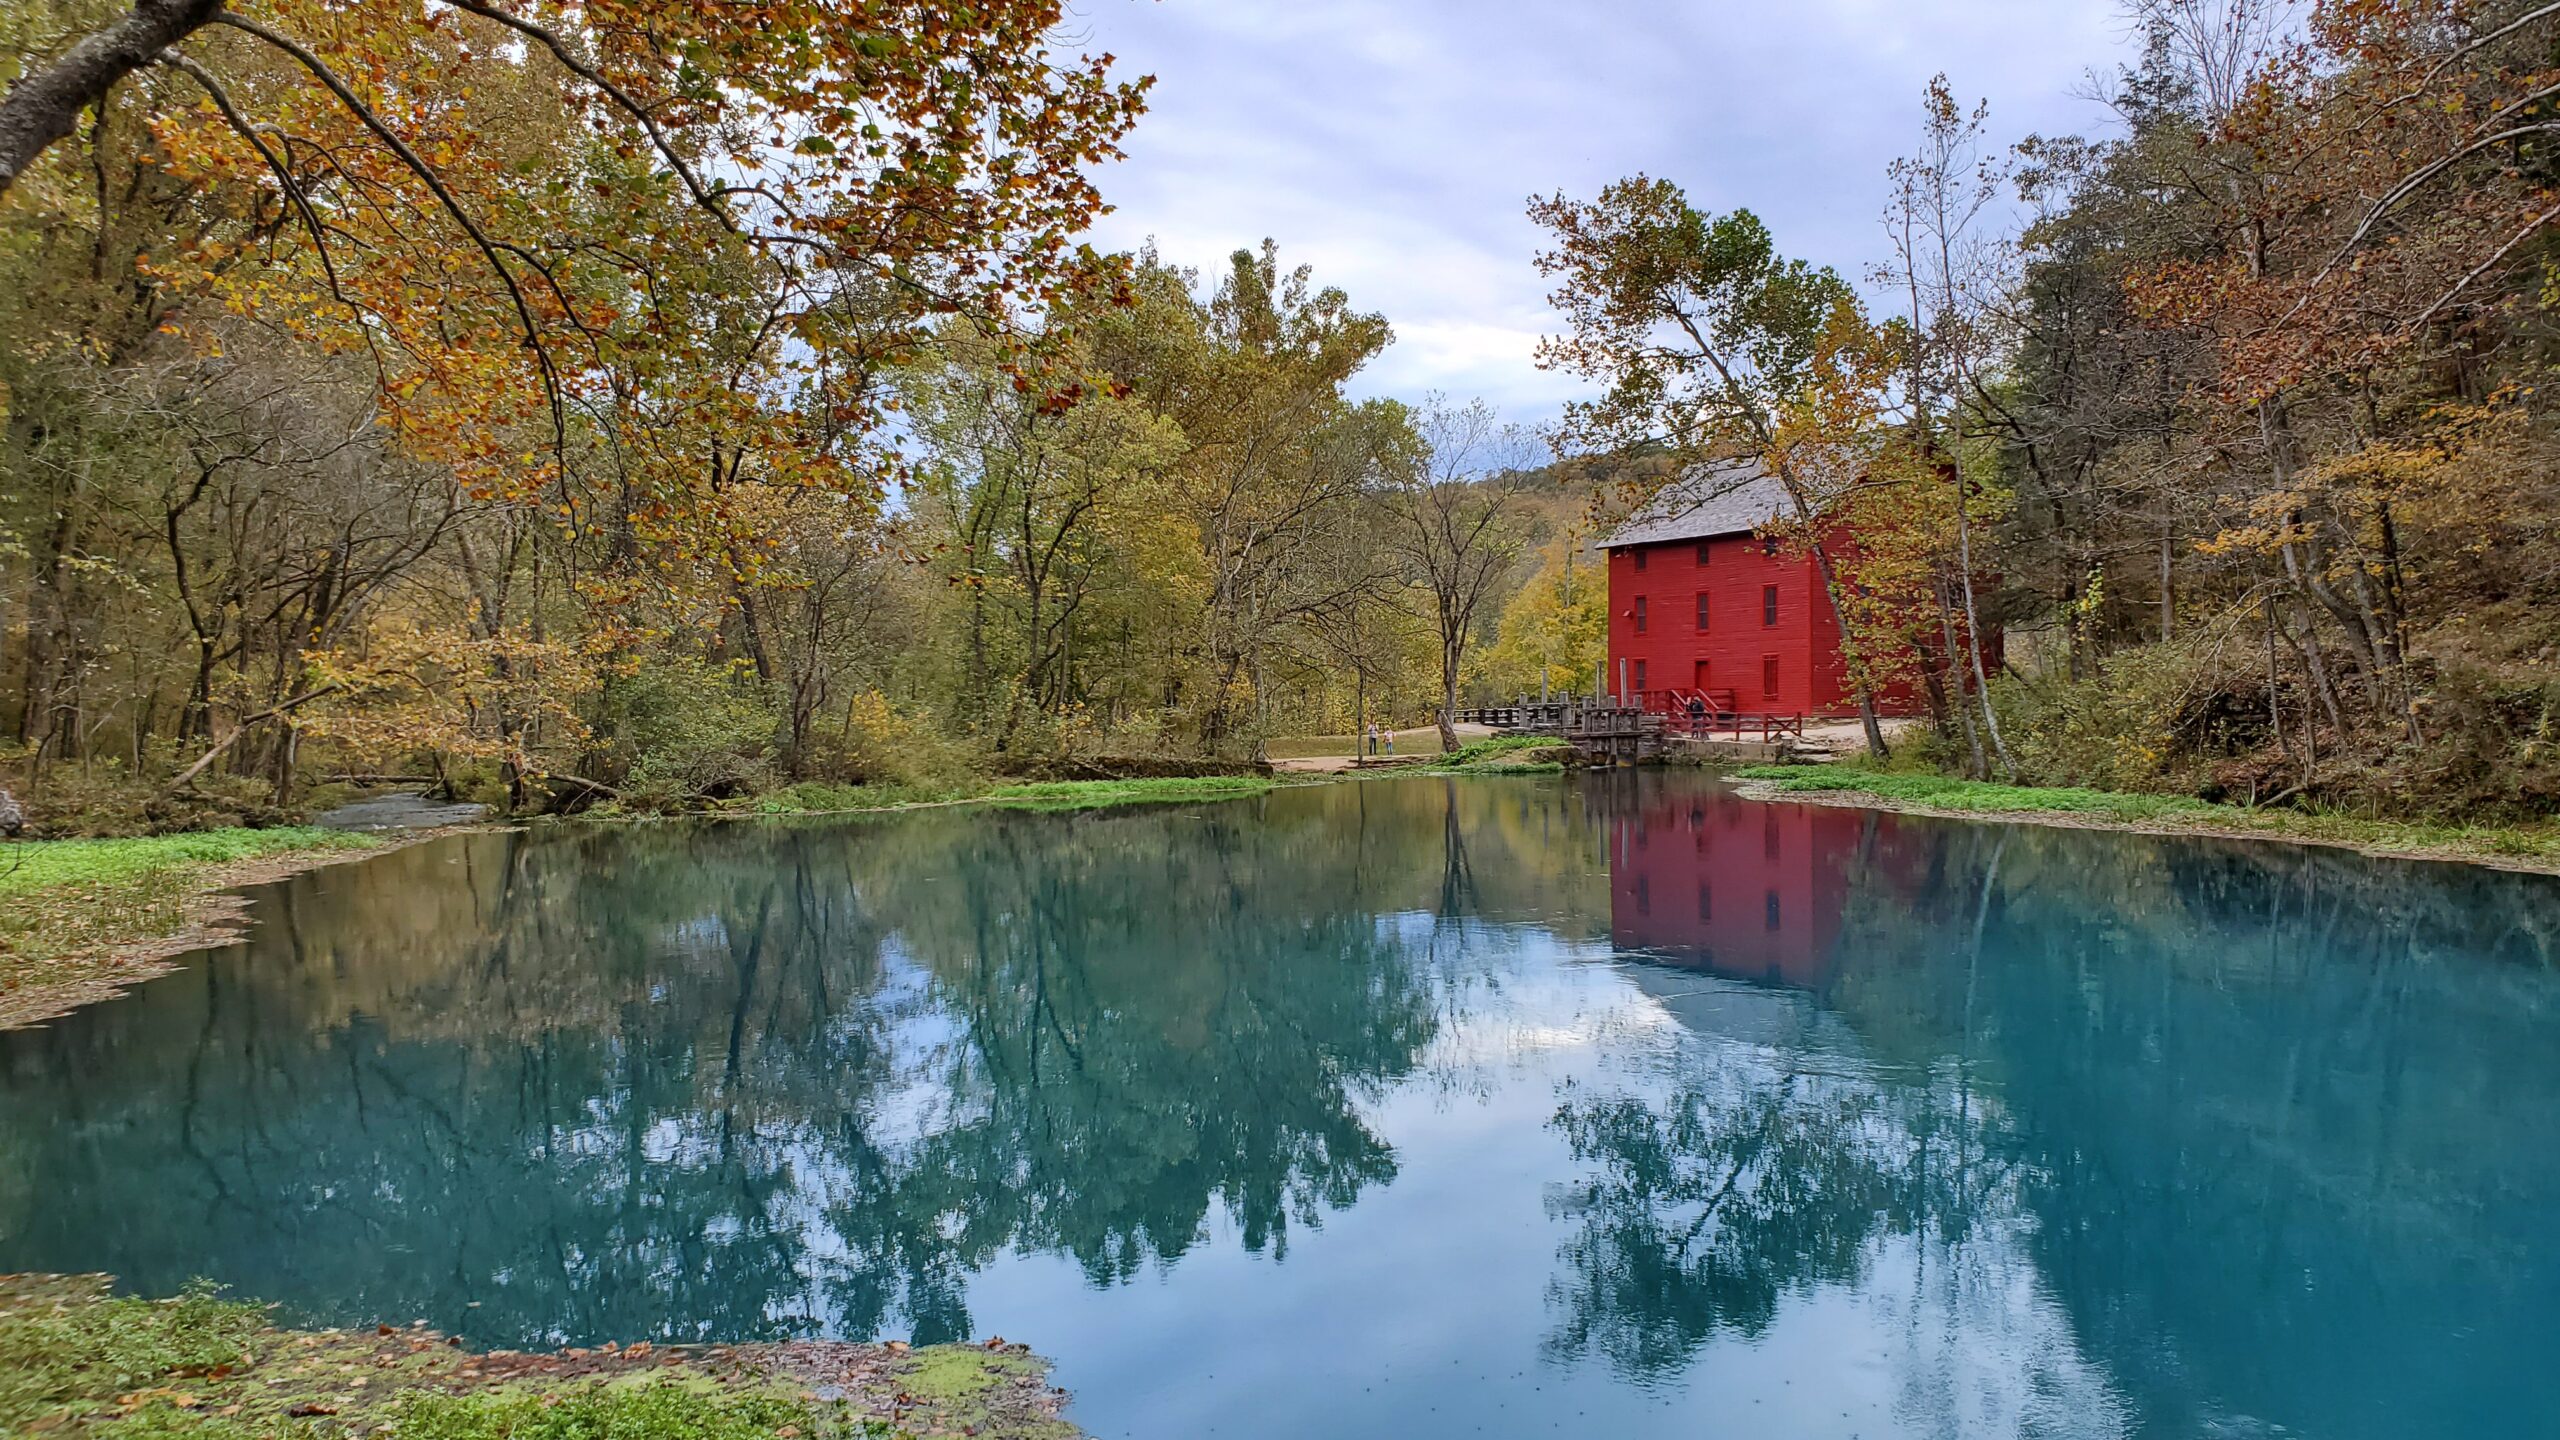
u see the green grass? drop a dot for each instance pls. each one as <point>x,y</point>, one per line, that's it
<point>41,864</point>
<point>1979,797</point>
<point>66,1348</point>
<point>651,1412</point>
<point>1503,749</point>
<point>819,798</point>
<point>79,1364</point>
<point>1095,794</point>
<point>2535,843</point>
<point>61,897</point>
<point>1505,755</point>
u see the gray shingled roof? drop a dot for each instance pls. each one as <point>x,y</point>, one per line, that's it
<point>1720,497</point>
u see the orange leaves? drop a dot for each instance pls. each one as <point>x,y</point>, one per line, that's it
<point>2370,188</point>
<point>556,227</point>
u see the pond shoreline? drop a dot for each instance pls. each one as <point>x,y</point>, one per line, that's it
<point>211,911</point>
<point>90,1358</point>
<point>2276,830</point>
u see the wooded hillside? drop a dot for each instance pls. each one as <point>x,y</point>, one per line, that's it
<point>651,403</point>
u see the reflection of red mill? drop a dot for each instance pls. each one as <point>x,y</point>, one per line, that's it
<point>1749,891</point>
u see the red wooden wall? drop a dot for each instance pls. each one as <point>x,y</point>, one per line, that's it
<point>1737,644</point>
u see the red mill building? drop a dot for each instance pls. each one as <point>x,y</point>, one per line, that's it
<point>1703,603</point>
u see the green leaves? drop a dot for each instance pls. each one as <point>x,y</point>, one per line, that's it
<point>1695,324</point>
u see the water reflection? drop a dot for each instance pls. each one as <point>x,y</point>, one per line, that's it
<point>2253,1118</point>
<point>1390,1108</point>
<point>738,1080</point>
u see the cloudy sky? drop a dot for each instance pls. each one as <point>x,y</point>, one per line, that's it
<point>1393,143</point>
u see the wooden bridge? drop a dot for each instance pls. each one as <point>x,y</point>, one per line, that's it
<point>1627,728</point>
<point>1603,727</point>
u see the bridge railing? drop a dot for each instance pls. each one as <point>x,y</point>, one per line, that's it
<point>1681,714</point>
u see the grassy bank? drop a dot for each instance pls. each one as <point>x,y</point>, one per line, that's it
<point>2525,847</point>
<point>1506,755</point>
<point>64,904</point>
<point>75,1362</point>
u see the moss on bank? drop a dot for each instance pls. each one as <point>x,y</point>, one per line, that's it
<point>76,1362</point>
<point>2520,847</point>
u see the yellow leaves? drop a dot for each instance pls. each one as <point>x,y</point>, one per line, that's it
<point>458,688</point>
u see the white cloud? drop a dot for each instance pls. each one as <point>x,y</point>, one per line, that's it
<point>1394,143</point>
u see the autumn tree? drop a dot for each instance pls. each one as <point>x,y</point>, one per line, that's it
<point>2383,198</point>
<point>637,271</point>
<point>1952,268</point>
<point>1700,333</point>
<point>1041,507</point>
<point>1554,632</point>
<point>1277,454</point>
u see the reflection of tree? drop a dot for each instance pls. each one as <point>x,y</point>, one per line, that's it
<point>687,1081</point>
<point>1706,1207</point>
<point>1151,1029</point>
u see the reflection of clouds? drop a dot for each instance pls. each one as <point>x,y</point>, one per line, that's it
<point>1791,1197</point>
<point>1979,1343</point>
<point>1517,994</point>
<point>914,1098</point>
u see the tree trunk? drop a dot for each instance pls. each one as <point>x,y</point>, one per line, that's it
<point>45,105</point>
<point>1450,656</point>
<point>1978,767</point>
<point>1973,633</point>
<point>1867,718</point>
<point>2168,583</point>
<point>2275,706</point>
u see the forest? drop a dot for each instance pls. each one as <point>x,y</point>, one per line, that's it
<point>656,405</point>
